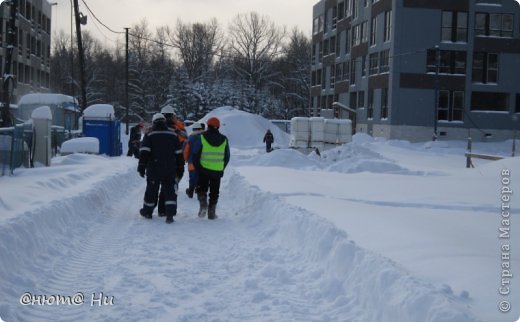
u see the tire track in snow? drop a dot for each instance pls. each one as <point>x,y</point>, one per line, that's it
<point>83,267</point>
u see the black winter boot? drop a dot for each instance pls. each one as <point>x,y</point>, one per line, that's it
<point>146,215</point>
<point>211,211</point>
<point>189,192</point>
<point>169,220</point>
<point>203,203</point>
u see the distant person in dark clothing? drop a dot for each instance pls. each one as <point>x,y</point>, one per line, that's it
<point>134,141</point>
<point>210,158</point>
<point>268,140</point>
<point>162,162</point>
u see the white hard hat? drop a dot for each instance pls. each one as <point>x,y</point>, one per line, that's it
<point>167,110</point>
<point>158,117</point>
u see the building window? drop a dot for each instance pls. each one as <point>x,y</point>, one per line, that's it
<point>353,100</point>
<point>338,46</point>
<point>485,101</point>
<point>346,71</point>
<point>370,107</point>
<point>313,78</point>
<point>323,77</point>
<point>314,49</point>
<point>355,9</point>
<point>318,77</point>
<point>361,99</point>
<point>364,32</point>
<point>373,64</point>
<point>384,103</point>
<point>451,62</point>
<point>341,10</point>
<point>373,29</point>
<point>356,35</point>
<point>517,109</point>
<point>332,71</point>
<point>388,26</point>
<point>384,61</point>
<point>326,47</point>
<point>494,24</point>
<point>363,66</point>
<point>348,8</point>
<point>352,72</point>
<point>332,44</point>
<point>334,17</point>
<point>347,41</point>
<point>326,21</point>
<point>320,52</point>
<point>339,72</point>
<point>454,26</point>
<point>485,68</point>
<point>451,106</point>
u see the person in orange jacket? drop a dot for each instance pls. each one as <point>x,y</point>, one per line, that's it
<point>192,142</point>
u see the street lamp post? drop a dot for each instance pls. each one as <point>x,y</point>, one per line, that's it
<point>81,20</point>
<point>435,109</point>
<point>7,77</point>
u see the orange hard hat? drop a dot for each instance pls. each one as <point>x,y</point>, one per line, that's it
<point>214,122</point>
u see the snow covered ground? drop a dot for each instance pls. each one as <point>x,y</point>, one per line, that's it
<point>371,231</point>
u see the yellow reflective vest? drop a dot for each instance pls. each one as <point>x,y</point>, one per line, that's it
<point>212,157</point>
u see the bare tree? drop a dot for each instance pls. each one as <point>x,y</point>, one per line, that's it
<point>197,43</point>
<point>255,42</point>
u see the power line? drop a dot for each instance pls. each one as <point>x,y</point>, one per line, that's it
<point>100,22</point>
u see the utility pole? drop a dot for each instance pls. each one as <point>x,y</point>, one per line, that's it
<point>127,85</point>
<point>79,21</point>
<point>8,78</point>
<point>437,70</point>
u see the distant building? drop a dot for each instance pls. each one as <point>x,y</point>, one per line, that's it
<point>377,60</point>
<point>31,56</point>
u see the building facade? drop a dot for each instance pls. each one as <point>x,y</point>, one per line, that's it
<point>407,69</point>
<point>31,55</point>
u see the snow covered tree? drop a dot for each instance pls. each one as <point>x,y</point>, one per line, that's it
<point>295,67</point>
<point>197,44</point>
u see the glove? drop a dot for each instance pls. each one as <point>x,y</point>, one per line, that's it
<point>141,169</point>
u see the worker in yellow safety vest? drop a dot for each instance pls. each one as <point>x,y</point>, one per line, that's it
<point>210,159</point>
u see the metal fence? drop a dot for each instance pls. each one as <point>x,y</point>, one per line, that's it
<point>14,148</point>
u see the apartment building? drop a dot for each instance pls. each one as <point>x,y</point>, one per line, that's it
<point>407,69</point>
<point>31,56</point>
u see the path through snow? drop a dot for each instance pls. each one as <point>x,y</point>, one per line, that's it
<point>262,260</point>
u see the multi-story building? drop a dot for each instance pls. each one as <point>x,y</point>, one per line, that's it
<point>31,55</point>
<point>407,68</point>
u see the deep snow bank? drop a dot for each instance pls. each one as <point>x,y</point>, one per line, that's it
<point>48,228</point>
<point>357,285</point>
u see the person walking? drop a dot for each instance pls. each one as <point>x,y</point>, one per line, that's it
<point>134,140</point>
<point>268,140</point>
<point>210,159</point>
<point>178,127</point>
<point>193,141</point>
<point>162,162</point>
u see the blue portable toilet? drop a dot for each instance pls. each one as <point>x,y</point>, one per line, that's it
<point>99,121</point>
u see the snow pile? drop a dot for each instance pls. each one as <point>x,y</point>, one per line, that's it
<point>45,99</point>
<point>245,129</point>
<point>42,113</point>
<point>80,145</point>
<point>99,111</point>
<point>351,283</point>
